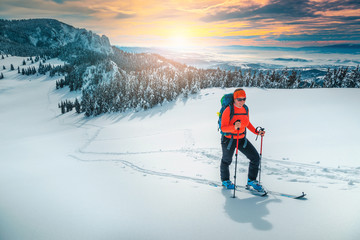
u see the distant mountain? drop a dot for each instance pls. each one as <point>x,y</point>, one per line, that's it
<point>38,36</point>
<point>339,48</point>
<point>291,60</point>
<point>139,49</point>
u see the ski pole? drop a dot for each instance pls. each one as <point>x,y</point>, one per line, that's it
<point>236,155</point>
<point>260,159</point>
<point>260,129</point>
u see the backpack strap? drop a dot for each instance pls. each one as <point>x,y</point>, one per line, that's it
<point>235,134</point>
<point>245,142</point>
<point>230,142</point>
<point>232,139</point>
<point>246,111</point>
<point>231,106</point>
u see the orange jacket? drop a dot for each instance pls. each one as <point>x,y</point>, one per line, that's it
<point>227,126</point>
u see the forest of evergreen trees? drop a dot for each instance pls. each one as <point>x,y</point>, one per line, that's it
<point>159,80</point>
<point>141,81</point>
<point>31,70</point>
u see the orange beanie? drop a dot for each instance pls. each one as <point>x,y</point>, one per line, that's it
<point>239,93</point>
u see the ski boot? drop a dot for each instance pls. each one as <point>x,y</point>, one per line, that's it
<point>255,185</point>
<point>228,184</point>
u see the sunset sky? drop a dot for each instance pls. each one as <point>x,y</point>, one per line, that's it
<point>184,23</point>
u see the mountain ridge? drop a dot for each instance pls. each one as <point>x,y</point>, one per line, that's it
<point>38,36</point>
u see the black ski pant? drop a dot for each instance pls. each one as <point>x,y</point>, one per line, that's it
<point>249,151</point>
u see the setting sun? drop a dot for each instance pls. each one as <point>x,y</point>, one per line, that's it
<point>179,42</point>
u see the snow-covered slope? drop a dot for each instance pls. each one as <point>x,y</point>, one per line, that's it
<point>146,175</point>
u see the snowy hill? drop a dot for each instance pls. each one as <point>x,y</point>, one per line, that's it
<point>148,174</point>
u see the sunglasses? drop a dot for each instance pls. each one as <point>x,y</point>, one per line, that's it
<point>241,99</point>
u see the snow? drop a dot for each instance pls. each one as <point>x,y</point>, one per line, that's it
<point>146,174</point>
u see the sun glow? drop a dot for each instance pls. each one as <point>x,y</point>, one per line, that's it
<point>179,42</point>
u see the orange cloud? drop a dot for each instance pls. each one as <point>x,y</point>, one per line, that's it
<point>202,22</point>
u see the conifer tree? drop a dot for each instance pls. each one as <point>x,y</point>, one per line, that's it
<point>63,107</point>
<point>292,80</point>
<point>77,106</point>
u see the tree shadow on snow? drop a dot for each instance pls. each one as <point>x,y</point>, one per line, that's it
<point>248,210</point>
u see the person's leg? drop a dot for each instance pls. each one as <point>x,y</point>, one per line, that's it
<point>251,153</point>
<point>226,157</point>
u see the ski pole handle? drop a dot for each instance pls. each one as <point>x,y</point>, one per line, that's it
<point>258,130</point>
<point>236,122</point>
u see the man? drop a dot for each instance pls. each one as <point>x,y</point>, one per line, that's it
<point>235,130</point>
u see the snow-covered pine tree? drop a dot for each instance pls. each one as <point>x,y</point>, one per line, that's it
<point>291,83</point>
<point>63,108</point>
<point>284,78</point>
<point>341,77</point>
<point>77,106</point>
<point>327,79</point>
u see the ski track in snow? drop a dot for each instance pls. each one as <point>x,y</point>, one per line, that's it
<point>285,170</point>
<point>150,172</point>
